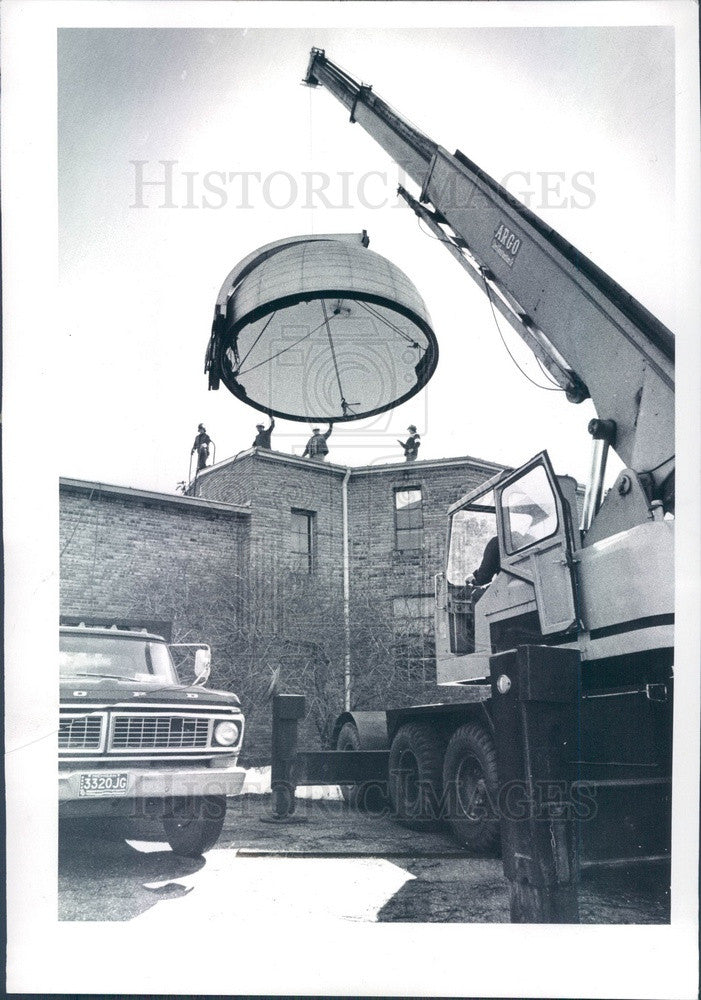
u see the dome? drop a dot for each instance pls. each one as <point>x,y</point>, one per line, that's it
<point>319,328</point>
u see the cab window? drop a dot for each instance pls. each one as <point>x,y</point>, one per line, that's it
<point>470,530</point>
<point>529,511</point>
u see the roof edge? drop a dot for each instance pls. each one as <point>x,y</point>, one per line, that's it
<point>165,499</point>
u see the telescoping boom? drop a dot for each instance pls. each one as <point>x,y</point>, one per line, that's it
<point>593,337</point>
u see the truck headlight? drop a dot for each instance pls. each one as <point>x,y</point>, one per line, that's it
<point>226,733</point>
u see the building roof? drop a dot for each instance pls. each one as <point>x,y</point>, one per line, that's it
<point>159,499</point>
<point>333,468</point>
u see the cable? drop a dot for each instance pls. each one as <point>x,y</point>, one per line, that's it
<point>547,388</point>
<point>396,329</point>
<point>238,374</point>
<point>78,523</point>
<point>547,373</point>
<point>311,149</point>
<point>272,316</point>
<point>553,387</point>
<point>661,463</point>
<point>333,355</point>
<point>427,232</point>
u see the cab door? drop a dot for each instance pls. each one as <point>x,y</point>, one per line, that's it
<point>536,541</point>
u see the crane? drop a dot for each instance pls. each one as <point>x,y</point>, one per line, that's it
<point>562,305</point>
<point>565,656</point>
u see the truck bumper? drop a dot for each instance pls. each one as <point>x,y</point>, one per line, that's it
<point>140,791</point>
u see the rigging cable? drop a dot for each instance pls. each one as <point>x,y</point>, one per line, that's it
<point>239,373</point>
<point>383,319</point>
<point>265,327</point>
<point>333,355</point>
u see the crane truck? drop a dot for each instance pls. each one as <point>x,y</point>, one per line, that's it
<point>561,744</point>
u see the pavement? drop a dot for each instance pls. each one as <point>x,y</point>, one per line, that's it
<point>331,863</point>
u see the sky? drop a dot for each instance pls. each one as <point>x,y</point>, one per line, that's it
<point>577,122</point>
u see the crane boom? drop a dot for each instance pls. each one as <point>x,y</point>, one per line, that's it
<point>593,336</point>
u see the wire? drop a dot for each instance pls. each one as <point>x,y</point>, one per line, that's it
<point>427,232</point>
<point>547,388</point>
<point>311,149</point>
<point>661,463</point>
<point>284,349</point>
<point>553,387</point>
<point>396,329</point>
<point>270,319</point>
<point>547,373</point>
<point>77,525</point>
<point>333,355</point>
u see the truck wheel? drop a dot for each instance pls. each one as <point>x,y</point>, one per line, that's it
<point>415,776</point>
<point>348,739</point>
<point>368,798</point>
<point>193,825</point>
<point>470,782</point>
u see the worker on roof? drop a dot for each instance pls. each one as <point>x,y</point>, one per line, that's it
<point>412,444</point>
<point>316,447</point>
<point>201,446</point>
<point>262,438</point>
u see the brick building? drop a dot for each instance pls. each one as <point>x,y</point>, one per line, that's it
<point>254,564</point>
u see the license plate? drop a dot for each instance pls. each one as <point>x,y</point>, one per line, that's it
<point>111,783</point>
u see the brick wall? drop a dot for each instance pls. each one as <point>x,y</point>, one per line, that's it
<point>274,484</point>
<point>152,560</point>
<point>219,568</point>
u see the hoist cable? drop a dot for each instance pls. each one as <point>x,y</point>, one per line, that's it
<point>546,388</point>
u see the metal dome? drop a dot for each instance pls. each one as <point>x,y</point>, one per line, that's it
<point>319,328</point>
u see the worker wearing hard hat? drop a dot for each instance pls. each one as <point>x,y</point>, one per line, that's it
<point>317,448</point>
<point>201,446</point>
<point>262,438</point>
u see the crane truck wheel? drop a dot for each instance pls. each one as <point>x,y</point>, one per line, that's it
<point>193,825</point>
<point>348,739</point>
<point>370,798</point>
<point>471,788</point>
<point>415,776</point>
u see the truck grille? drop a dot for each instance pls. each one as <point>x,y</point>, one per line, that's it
<point>159,732</point>
<point>81,732</point>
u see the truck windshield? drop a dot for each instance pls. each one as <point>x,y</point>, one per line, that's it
<point>141,660</point>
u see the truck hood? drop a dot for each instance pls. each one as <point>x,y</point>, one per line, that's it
<point>83,690</point>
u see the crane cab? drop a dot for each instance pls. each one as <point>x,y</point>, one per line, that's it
<point>529,594</point>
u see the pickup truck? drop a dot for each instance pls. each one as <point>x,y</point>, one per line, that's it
<point>135,741</point>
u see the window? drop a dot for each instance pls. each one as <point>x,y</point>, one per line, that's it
<point>470,530</point>
<point>408,518</point>
<point>529,510</point>
<point>302,541</point>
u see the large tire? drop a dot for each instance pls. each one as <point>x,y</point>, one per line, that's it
<point>193,825</point>
<point>415,776</point>
<point>471,787</point>
<point>370,797</point>
<point>349,739</point>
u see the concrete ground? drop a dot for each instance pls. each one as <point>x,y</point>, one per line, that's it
<point>332,862</point>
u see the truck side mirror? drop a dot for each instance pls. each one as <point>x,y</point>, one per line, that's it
<point>203,665</point>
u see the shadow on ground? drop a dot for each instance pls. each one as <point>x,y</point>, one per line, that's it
<point>101,877</point>
<point>107,879</point>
